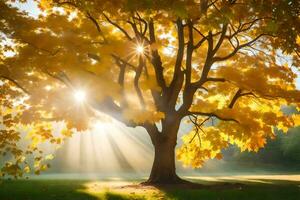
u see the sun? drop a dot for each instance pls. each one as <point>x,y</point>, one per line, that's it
<point>80,96</point>
<point>140,49</point>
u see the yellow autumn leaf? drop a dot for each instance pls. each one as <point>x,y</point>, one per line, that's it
<point>49,157</point>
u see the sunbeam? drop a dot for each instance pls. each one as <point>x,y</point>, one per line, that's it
<point>108,148</point>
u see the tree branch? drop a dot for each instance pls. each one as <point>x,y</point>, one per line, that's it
<point>89,16</point>
<point>117,26</point>
<point>189,54</point>
<point>237,95</point>
<point>207,64</point>
<point>178,75</point>
<point>215,79</point>
<point>212,115</point>
<point>218,59</point>
<point>15,83</point>
<point>235,98</point>
<point>156,59</point>
<point>221,39</point>
<point>138,73</point>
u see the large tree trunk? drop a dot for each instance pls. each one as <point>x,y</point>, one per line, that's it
<point>163,169</point>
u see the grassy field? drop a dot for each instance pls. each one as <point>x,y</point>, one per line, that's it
<point>217,188</point>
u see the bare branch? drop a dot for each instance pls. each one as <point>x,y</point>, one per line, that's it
<point>212,115</point>
<point>49,52</point>
<point>200,42</point>
<point>143,21</point>
<point>117,26</point>
<point>218,59</point>
<point>89,16</point>
<point>124,61</point>
<point>215,79</point>
<point>197,127</point>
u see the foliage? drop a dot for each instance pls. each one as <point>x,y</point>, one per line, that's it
<point>226,66</point>
<point>22,157</point>
<point>282,153</point>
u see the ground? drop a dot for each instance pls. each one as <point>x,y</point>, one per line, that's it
<point>215,187</point>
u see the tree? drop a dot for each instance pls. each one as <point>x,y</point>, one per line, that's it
<point>225,67</point>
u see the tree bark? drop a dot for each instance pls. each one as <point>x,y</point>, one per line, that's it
<point>163,169</point>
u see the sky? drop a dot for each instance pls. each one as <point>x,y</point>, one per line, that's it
<point>30,7</point>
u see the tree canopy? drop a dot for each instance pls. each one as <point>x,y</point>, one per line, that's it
<point>226,67</point>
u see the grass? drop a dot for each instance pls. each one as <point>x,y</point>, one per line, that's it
<point>221,188</point>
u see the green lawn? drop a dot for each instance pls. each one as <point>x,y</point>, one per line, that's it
<point>218,189</point>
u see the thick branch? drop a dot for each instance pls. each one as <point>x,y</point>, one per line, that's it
<point>156,59</point>
<point>221,39</point>
<point>189,54</point>
<point>138,73</point>
<point>180,51</point>
<point>121,77</point>
<point>237,95</point>
<point>189,91</point>
<point>178,75</point>
<point>235,98</point>
<point>207,64</point>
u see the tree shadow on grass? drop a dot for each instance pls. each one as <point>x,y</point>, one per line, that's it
<point>43,190</point>
<point>57,190</point>
<point>263,189</point>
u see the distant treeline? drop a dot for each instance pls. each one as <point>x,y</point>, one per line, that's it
<point>284,150</point>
